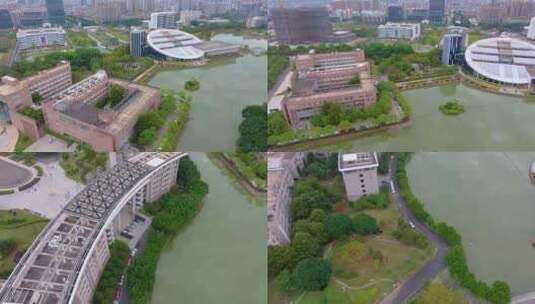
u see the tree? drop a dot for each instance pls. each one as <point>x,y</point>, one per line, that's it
<point>364,224</point>
<point>499,293</point>
<point>318,170</point>
<point>279,258</point>
<point>7,246</point>
<point>318,215</point>
<point>188,174</point>
<point>277,124</point>
<point>147,137</point>
<point>312,274</point>
<point>115,95</point>
<point>253,129</point>
<point>338,225</point>
<point>192,85</point>
<point>148,120</point>
<point>303,246</point>
<point>37,98</point>
<point>284,280</point>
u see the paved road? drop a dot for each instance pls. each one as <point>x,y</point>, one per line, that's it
<point>433,267</point>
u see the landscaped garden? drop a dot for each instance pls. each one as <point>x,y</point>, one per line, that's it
<point>356,252</point>
<point>452,108</point>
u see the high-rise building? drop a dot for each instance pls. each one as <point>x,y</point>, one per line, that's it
<point>137,42</point>
<point>395,13</point>
<point>55,11</point>
<point>359,172</point>
<point>166,20</point>
<point>6,21</point>
<point>531,29</point>
<point>452,45</point>
<point>410,31</point>
<point>436,11</point>
<point>301,25</point>
<point>33,17</point>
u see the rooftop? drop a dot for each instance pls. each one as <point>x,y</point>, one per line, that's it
<point>357,161</point>
<point>175,44</point>
<point>503,59</point>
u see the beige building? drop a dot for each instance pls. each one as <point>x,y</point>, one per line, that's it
<point>66,260</point>
<point>283,170</point>
<point>359,172</point>
<point>343,78</point>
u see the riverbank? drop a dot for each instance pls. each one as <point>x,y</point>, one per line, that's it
<point>242,179</point>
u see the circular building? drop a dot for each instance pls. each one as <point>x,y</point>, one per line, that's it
<point>175,44</point>
<point>502,60</point>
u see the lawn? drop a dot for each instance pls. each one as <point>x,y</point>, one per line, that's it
<point>473,37</point>
<point>23,142</point>
<point>21,226</point>
<point>80,39</point>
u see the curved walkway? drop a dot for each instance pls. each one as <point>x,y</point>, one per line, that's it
<point>433,267</point>
<point>14,174</point>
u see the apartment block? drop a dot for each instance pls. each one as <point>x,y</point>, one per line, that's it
<point>328,78</point>
<point>359,172</point>
<point>390,30</point>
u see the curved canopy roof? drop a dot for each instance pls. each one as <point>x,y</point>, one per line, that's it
<point>175,44</point>
<point>502,59</point>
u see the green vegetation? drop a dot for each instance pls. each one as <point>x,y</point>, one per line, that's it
<point>175,127</point>
<point>34,114</point>
<point>358,246</point>
<point>109,280</point>
<point>18,229</point>
<point>452,108</point>
<point>80,39</point>
<point>23,142</point>
<point>149,123</point>
<point>384,163</point>
<point>37,98</point>
<point>170,214</point>
<point>431,36</point>
<point>438,293</point>
<point>84,61</point>
<point>192,85</point>
<point>380,200</point>
<point>498,292</point>
<point>277,63</point>
<point>114,96</point>
<point>81,162</point>
<point>27,158</point>
<point>7,192</point>
<point>253,129</point>
<point>312,274</point>
<point>252,165</point>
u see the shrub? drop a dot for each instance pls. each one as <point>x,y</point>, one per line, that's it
<point>338,225</point>
<point>312,274</point>
<point>364,224</point>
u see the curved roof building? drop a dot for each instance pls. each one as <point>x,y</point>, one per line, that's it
<point>175,44</point>
<point>505,60</point>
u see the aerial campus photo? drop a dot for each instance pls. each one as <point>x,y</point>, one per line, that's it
<point>132,75</point>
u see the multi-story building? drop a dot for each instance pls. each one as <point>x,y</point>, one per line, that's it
<point>163,20</point>
<point>109,11</point>
<point>452,46</point>
<point>437,11</point>
<point>138,41</point>
<point>188,16</point>
<point>410,31</point>
<point>531,29</point>
<point>51,81</point>
<point>283,170</point>
<point>342,78</point>
<point>418,15</point>
<point>375,17</point>
<point>64,264</point>
<point>256,21</point>
<point>6,21</point>
<point>73,111</point>
<point>394,13</point>
<point>33,17</point>
<point>301,25</point>
<point>359,172</point>
<point>55,11</point>
<point>40,37</point>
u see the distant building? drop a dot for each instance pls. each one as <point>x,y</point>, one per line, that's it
<point>6,21</point>
<point>256,21</point>
<point>418,15</point>
<point>410,31</point>
<point>436,11</point>
<point>163,20</point>
<point>359,172</point>
<point>283,170</point>
<point>189,16</point>
<point>55,11</point>
<point>301,25</point>
<point>108,11</point>
<point>33,17</point>
<point>452,46</point>
<point>137,42</point>
<point>40,37</point>
<point>531,29</point>
<point>328,78</point>
<point>374,17</point>
<point>395,13</point>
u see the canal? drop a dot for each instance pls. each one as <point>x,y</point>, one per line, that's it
<point>221,257</point>
<point>490,200</point>
<point>227,87</point>
<point>491,123</point>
